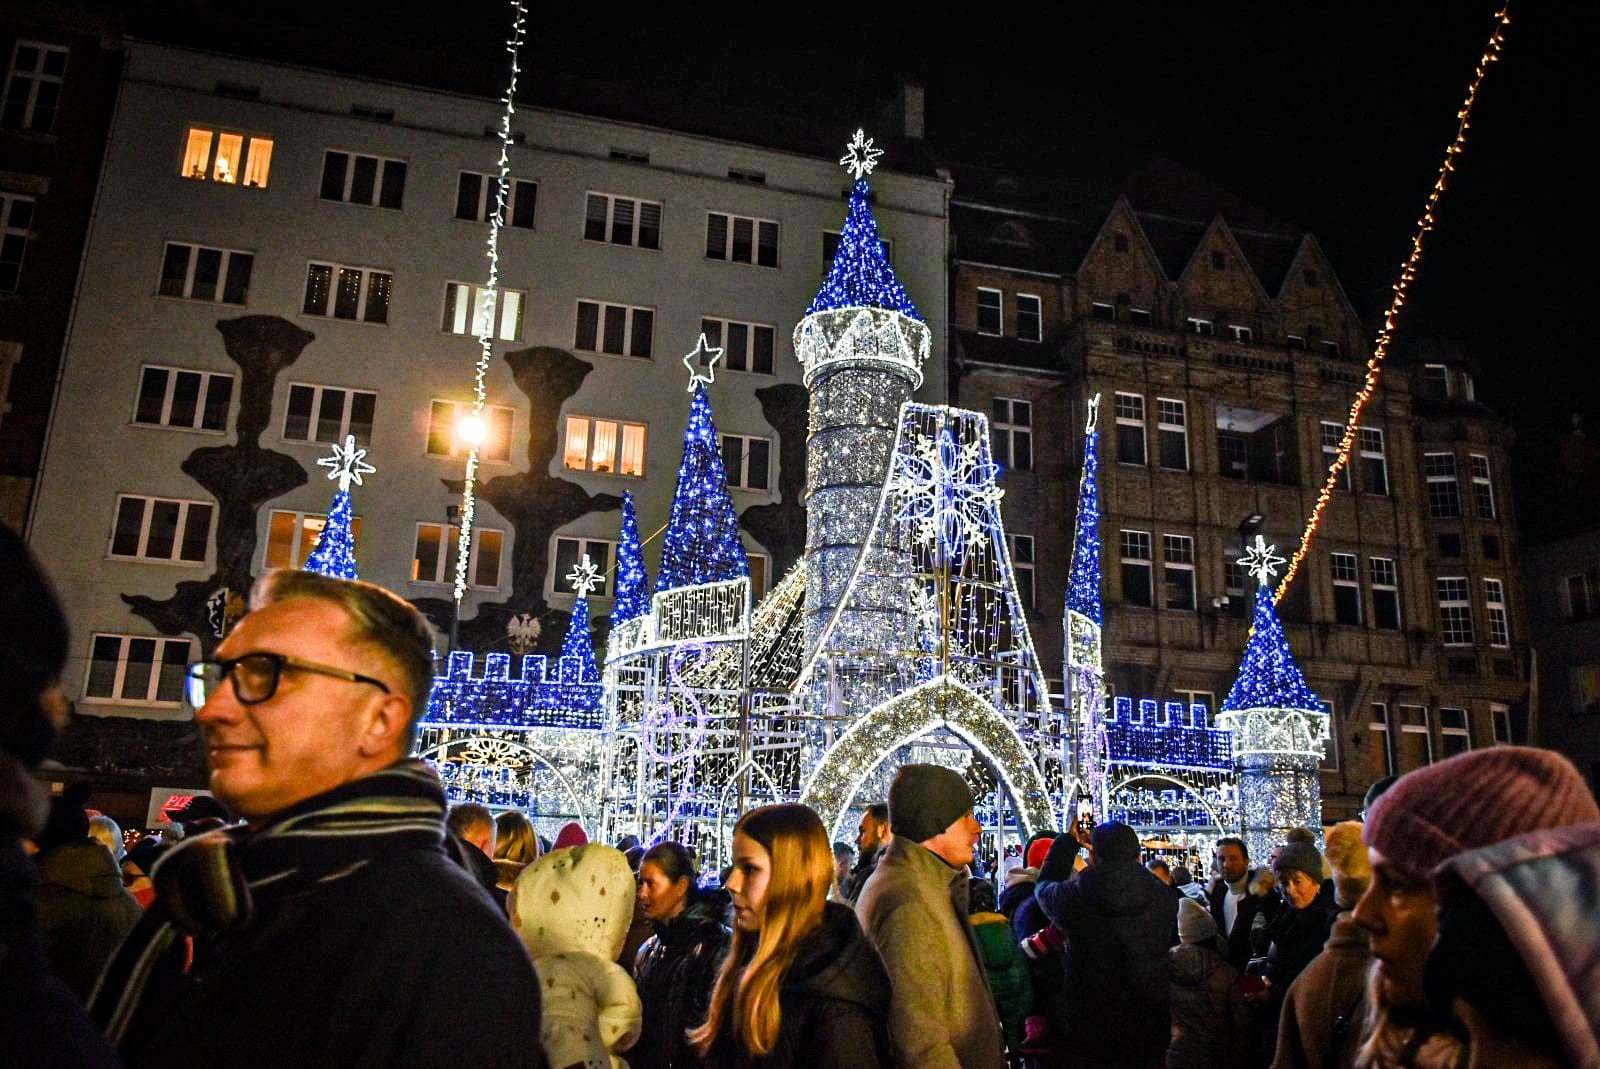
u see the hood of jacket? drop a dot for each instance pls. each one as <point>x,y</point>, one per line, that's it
<point>85,868</point>
<point>700,917</point>
<point>576,900</point>
<point>1016,892</point>
<point>1120,888</point>
<point>836,961</point>
<point>1193,964</point>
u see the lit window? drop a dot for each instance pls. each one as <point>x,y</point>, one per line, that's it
<point>460,297</point>
<point>1494,599</point>
<point>293,536</point>
<point>990,316</point>
<point>1172,434</point>
<point>1385,593</point>
<point>434,559</point>
<point>1482,486</point>
<point>190,400</point>
<point>446,419</point>
<point>16,219</point>
<point>1455,611</point>
<point>622,221</point>
<point>747,461</point>
<point>614,328</point>
<point>606,446</point>
<point>1137,586</point>
<point>745,346</point>
<point>568,552</point>
<point>1030,320</point>
<point>341,292</point>
<point>1444,497</point>
<point>1177,562</point>
<point>476,193</point>
<point>327,414</point>
<point>160,529</point>
<point>1346,589</point>
<point>1022,567</point>
<point>372,181</point>
<point>136,670</point>
<point>33,87</point>
<point>759,569</point>
<point>741,240</point>
<point>1011,433</point>
<point>1130,428</point>
<point>226,157</point>
<point>200,273</point>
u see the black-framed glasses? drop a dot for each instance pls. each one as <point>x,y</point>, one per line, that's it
<point>255,677</point>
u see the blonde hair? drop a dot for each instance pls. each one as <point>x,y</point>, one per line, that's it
<point>514,838</point>
<point>745,998</point>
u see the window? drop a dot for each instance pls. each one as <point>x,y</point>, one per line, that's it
<point>614,328</point>
<point>1435,381</point>
<point>622,221</point>
<point>293,536</point>
<point>1346,589</point>
<point>1332,435</point>
<point>200,273</point>
<point>369,180</point>
<point>1295,341</point>
<point>1577,595</point>
<point>607,446</point>
<point>1241,334</point>
<point>1494,600</point>
<point>446,419</point>
<point>341,292</point>
<point>327,413</point>
<point>990,316</point>
<point>1141,317</point>
<point>434,559</point>
<point>1382,744</point>
<point>1416,741</point>
<point>10,357</point>
<point>1455,736</point>
<point>568,551</point>
<point>745,346</point>
<point>33,88</point>
<point>1130,429</point>
<point>1177,560</point>
<point>1455,611</point>
<point>1330,745</point>
<point>226,157</point>
<point>191,400</point>
<point>1500,716</point>
<point>460,297</point>
<point>747,461</point>
<point>1385,593</point>
<point>755,178</point>
<point>1444,497</point>
<point>475,197</point>
<point>830,248</point>
<point>16,217</point>
<point>1585,682</point>
<point>1022,561</point>
<point>161,529</point>
<point>1104,311</point>
<point>1030,319</point>
<point>1491,547</point>
<point>1449,545</point>
<point>741,240</point>
<point>1137,586</point>
<point>630,155</point>
<point>1011,432</point>
<point>1482,485</point>
<point>1374,468</point>
<point>1172,434</point>
<point>1203,327</point>
<point>1331,348</point>
<point>1235,582</point>
<point>760,568</point>
<point>136,670</point>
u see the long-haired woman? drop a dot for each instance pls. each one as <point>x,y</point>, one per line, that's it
<point>801,985</point>
<point>516,846</point>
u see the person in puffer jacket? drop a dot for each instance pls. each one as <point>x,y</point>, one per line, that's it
<point>571,909</point>
<point>678,964</point>
<point>1004,964</point>
<point>1210,1019</point>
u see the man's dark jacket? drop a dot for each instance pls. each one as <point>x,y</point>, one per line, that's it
<point>1249,906</point>
<point>865,866</point>
<point>1118,921</point>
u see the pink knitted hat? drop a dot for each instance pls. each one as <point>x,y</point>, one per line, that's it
<point>571,834</point>
<point>1474,800</point>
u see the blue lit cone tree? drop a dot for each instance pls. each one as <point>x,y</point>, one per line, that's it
<point>335,551</point>
<point>1278,725</point>
<point>1085,664</point>
<point>633,597</point>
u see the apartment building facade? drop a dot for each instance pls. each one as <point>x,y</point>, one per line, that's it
<point>1226,354</point>
<point>283,256</point>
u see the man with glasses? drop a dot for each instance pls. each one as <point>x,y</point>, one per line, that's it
<point>332,929</point>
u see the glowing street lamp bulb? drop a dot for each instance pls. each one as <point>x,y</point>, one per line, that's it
<point>470,430</point>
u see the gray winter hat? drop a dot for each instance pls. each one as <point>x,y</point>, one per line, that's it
<point>924,800</point>
<point>1302,856</point>
<point>1195,924</point>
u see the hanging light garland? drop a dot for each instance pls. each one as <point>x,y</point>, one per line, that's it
<point>472,428</point>
<point>1408,275</point>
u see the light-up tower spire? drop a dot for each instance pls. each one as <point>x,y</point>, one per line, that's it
<point>1278,726</point>
<point>1086,696</point>
<point>861,346</point>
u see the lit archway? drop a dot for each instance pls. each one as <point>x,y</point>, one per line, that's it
<point>482,750</point>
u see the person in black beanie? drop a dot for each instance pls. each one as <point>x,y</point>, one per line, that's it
<point>41,1023</point>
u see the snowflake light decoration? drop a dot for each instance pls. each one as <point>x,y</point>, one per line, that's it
<point>584,577</point>
<point>347,464</point>
<point>860,158</point>
<point>948,492</point>
<point>1261,561</point>
<point>702,363</point>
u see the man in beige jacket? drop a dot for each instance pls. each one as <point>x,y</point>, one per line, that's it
<point>914,910</point>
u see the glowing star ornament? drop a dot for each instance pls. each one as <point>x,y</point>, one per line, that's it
<point>584,577</point>
<point>860,158</point>
<point>1261,561</point>
<point>347,464</point>
<point>702,364</point>
<point>335,551</point>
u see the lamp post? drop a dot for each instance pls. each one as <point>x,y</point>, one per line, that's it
<point>452,516</point>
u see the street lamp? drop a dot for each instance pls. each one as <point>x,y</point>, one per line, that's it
<point>452,517</point>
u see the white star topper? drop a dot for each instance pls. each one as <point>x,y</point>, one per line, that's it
<point>346,464</point>
<point>702,363</point>
<point>1260,560</point>
<point>859,156</point>
<point>584,577</point>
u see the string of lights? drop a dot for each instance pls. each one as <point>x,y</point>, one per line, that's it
<point>472,427</point>
<point>1408,275</point>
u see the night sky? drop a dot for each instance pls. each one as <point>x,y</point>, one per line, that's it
<point>1333,118</point>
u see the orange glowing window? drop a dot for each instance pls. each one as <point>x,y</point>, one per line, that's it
<point>228,158</point>
<point>197,153</point>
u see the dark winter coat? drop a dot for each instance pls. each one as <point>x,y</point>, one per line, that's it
<point>865,866</point>
<point>1007,971</point>
<point>675,971</point>
<point>1323,1011</point>
<point>1210,1018</point>
<point>84,911</point>
<point>1249,906</point>
<point>833,1002</point>
<point>1017,892</point>
<point>1047,974</point>
<point>1119,922</point>
<point>1297,937</point>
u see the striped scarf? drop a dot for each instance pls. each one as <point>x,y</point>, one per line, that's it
<point>219,882</point>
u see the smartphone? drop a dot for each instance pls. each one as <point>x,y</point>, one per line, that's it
<point>1085,818</point>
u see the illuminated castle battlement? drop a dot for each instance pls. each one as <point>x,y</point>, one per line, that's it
<point>1166,734</point>
<point>536,697</point>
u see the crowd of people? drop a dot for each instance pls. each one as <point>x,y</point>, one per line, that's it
<point>340,913</point>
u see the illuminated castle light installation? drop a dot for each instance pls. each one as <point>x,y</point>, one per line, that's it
<point>1279,728</point>
<point>1085,680</point>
